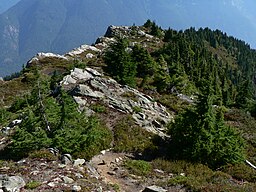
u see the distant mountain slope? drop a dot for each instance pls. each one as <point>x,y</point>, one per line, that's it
<point>6,4</point>
<point>58,26</point>
<point>34,26</point>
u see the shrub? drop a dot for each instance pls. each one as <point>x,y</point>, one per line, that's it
<point>138,167</point>
<point>43,154</point>
<point>178,180</point>
<point>79,64</point>
<point>198,177</point>
<point>85,139</point>
<point>17,105</point>
<point>241,172</point>
<point>130,95</point>
<point>173,103</point>
<point>4,115</point>
<point>98,108</point>
<point>137,109</point>
<point>32,185</point>
<point>129,137</point>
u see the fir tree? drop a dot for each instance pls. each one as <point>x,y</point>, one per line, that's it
<point>120,64</point>
<point>200,134</point>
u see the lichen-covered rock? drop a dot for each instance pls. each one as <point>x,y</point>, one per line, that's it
<point>41,55</point>
<point>78,162</point>
<point>11,183</point>
<point>81,49</point>
<point>89,83</point>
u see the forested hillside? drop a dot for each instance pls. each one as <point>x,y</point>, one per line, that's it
<point>188,61</point>
<point>180,105</point>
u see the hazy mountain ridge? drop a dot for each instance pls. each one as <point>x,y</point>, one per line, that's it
<point>58,26</point>
<point>6,4</point>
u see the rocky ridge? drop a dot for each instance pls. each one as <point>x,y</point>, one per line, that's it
<point>90,51</point>
<point>89,86</point>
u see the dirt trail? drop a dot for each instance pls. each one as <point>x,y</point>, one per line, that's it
<point>109,168</point>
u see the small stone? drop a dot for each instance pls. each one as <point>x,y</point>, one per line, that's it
<point>78,162</point>
<point>154,188</point>
<point>171,175</point>
<point>35,172</point>
<point>61,166</point>
<point>182,174</point>
<point>53,151</point>
<point>76,188</point>
<point>89,55</point>
<point>79,175</point>
<point>68,180</point>
<point>15,122</point>
<point>111,173</point>
<point>22,161</point>
<point>103,152</point>
<point>156,124</point>
<point>117,160</point>
<point>102,163</point>
<point>51,184</point>
<point>43,164</point>
<point>66,159</point>
<point>159,171</point>
<point>57,180</point>
<point>81,169</point>
<point>99,189</point>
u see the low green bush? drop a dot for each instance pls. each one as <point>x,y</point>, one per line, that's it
<point>136,109</point>
<point>241,172</point>
<point>32,185</point>
<point>198,177</point>
<point>138,167</point>
<point>43,154</point>
<point>98,108</point>
<point>128,137</point>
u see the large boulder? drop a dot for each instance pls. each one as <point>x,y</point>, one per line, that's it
<point>11,183</point>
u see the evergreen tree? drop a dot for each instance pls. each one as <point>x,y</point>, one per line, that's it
<point>162,78</point>
<point>146,65</point>
<point>148,24</point>
<point>119,62</point>
<point>169,35</point>
<point>200,134</point>
<point>56,122</point>
<point>156,30</point>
